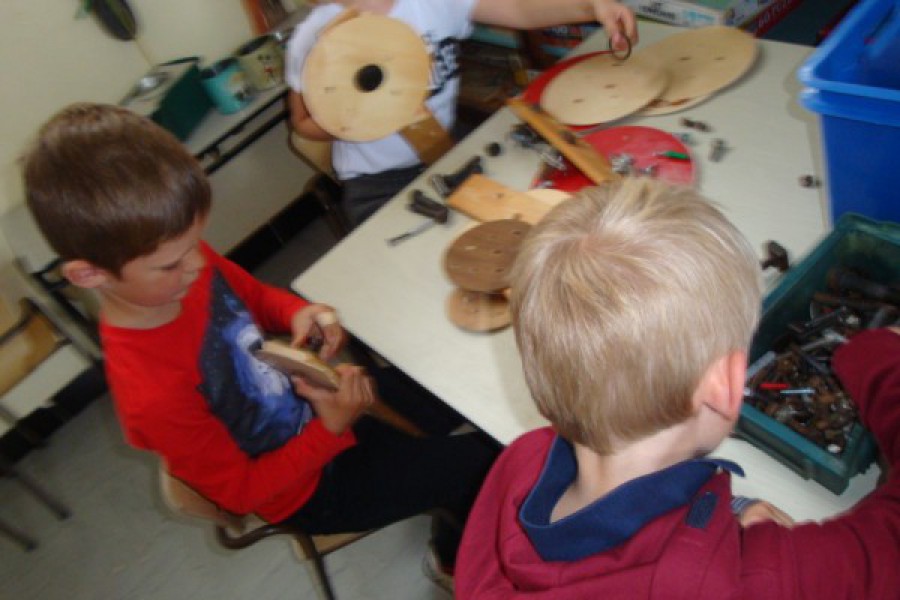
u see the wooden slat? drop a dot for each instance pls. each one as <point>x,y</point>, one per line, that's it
<point>579,152</point>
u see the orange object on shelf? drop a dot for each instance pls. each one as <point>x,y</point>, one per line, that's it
<point>264,14</point>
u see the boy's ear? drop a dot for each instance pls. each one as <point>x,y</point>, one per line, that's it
<point>83,274</point>
<point>722,386</point>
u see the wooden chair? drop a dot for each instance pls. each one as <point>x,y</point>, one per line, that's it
<point>234,531</point>
<point>29,341</point>
<point>324,186</point>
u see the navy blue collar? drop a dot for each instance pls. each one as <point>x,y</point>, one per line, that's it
<point>614,518</point>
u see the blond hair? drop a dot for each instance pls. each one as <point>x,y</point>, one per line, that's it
<point>622,297</point>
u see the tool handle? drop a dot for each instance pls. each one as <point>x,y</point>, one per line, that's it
<point>447,184</point>
<point>427,207</point>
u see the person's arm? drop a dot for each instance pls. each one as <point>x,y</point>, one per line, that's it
<point>854,555</point>
<point>616,18</point>
<point>302,122</point>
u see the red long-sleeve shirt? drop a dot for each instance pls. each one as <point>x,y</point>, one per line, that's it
<point>162,381</point>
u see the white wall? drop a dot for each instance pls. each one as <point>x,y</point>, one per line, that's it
<point>51,59</point>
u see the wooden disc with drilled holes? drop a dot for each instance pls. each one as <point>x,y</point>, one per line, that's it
<point>479,260</point>
<point>701,61</point>
<point>366,78</point>
<point>663,107</point>
<point>601,89</point>
<point>478,311</point>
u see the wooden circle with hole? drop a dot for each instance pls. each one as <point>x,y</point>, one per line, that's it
<point>479,260</point>
<point>478,311</point>
<point>366,78</point>
<point>664,107</point>
<point>601,89</point>
<point>702,61</point>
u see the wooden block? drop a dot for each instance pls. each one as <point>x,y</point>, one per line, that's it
<point>427,137</point>
<point>484,199</point>
<point>297,361</point>
<point>578,151</point>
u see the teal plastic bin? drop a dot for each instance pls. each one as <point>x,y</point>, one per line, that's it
<point>858,243</point>
<point>853,82</point>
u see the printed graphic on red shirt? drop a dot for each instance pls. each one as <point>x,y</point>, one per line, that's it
<point>256,403</point>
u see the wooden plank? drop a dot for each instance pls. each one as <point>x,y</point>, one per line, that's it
<point>484,199</point>
<point>578,151</point>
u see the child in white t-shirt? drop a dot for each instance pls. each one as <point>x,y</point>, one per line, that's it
<point>373,172</point>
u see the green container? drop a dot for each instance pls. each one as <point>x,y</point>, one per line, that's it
<point>856,242</point>
<point>185,103</point>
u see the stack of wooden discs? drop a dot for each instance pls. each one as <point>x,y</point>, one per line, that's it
<point>478,263</point>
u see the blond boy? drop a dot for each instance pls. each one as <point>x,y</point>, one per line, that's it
<point>633,307</point>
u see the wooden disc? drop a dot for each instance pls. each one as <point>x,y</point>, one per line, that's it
<point>701,61</point>
<point>479,260</point>
<point>366,78</point>
<point>601,89</point>
<point>478,311</point>
<point>663,107</point>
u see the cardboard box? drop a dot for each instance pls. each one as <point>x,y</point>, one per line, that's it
<point>699,13</point>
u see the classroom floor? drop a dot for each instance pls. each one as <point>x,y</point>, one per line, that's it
<point>122,543</point>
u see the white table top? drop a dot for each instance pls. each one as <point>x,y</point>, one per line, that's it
<point>393,297</point>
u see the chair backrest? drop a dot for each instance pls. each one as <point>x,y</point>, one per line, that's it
<point>183,500</point>
<point>316,154</point>
<point>25,342</point>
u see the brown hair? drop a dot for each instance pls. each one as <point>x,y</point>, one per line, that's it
<point>622,298</point>
<point>107,185</point>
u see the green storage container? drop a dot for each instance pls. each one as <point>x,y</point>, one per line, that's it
<point>856,242</point>
<point>185,102</point>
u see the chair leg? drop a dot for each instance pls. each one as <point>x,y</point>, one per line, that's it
<point>315,557</point>
<point>57,507</point>
<point>28,543</point>
<point>33,437</point>
<point>334,215</point>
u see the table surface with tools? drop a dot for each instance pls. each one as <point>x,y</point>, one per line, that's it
<point>393,297</point>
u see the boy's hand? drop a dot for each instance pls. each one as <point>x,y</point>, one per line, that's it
<point>762,511</point>
<point>339,410</point>
<point>618,21</point>
<point>318,323</point>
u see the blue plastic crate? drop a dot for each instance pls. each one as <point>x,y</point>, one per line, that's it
<point>853,82</point>
<point>856,243</point>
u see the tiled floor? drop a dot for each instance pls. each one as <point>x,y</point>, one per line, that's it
<point>122,543</point>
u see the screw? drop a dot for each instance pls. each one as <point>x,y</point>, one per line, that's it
<point>809,181</point>
<point>698,125</point>
<point>493,149</point>
<point>717,150</point>
<point>776,256</point>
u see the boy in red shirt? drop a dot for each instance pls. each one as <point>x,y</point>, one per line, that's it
<point>124,205</point>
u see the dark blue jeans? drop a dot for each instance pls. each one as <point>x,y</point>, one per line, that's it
<point>365,194</point>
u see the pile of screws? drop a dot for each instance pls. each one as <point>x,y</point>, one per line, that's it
<point>794,383</point>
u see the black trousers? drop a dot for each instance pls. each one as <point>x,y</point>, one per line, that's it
<point>389,476</point>
<point>365,194</point>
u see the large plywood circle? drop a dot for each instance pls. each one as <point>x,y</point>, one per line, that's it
<point>479,260</point>
<point>701,61</point>
<point>366,78</point>
<point>601,88</point>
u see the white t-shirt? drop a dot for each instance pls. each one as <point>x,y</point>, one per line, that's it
<point>440,23</point>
